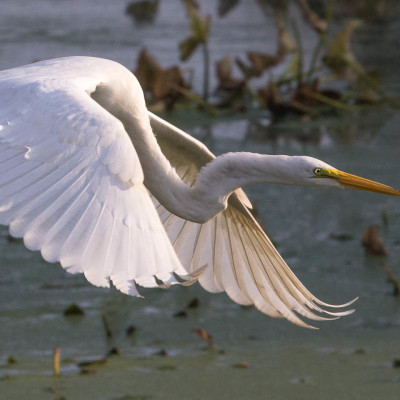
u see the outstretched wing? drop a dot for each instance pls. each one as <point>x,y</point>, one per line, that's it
<point>71,183</point>
<point>241,259</point>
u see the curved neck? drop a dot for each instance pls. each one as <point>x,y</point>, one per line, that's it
<point>215,182</point>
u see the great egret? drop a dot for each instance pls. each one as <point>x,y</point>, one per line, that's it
<point>82,176</point>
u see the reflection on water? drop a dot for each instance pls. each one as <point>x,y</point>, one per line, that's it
<point>162,357</point>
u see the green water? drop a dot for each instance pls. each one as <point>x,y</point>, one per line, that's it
<point>254,356</point>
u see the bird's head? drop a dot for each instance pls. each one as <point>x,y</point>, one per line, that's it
<point>318,173</point>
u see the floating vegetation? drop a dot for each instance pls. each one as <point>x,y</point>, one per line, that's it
<point>180,314</point>
<point>89,367</point>
<point>207,337</point>
<point>74,310</point>
<point>11,360</point>
<point>241,365</point>
<point>161,353</point>
<point>130,331</point>
<point>341,237</point>
<point>192,305</point>
<point>396,363</point>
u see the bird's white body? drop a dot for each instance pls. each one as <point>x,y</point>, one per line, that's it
<point>84,180</point>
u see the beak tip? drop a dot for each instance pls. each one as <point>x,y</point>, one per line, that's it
<point>355,182</point>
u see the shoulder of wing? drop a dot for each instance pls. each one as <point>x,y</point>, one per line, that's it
<point>56,120</point>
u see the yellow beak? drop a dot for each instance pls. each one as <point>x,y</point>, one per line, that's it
<point>350,181</point>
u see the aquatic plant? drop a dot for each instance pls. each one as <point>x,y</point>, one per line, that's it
<point>199,34</point>
<point>305,88</point>
<point>144,11</point>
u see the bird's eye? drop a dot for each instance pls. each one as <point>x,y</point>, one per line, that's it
<point>317,171</point>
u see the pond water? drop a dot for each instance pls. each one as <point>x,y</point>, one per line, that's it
<point>254,356</point>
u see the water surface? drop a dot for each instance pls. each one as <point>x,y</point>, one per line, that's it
<point>255,357</point>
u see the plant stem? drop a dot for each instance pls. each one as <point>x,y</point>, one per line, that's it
<point>196,99</point>
<point>321,41</point>
<point>206,67</point>
<point>299,44</point>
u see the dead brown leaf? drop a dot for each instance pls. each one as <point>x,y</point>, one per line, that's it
<point>312,18</point>
<point>372,242</point>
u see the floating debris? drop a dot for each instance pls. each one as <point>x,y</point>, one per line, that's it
<point>341,237</point>
<point>114,351</point>
<point>74,310</point>
<point>206,337</point>
<point>92,363</point>
<point>181,314</point>
<point>56,361</point>
<point>161,353</point>
<point>373,243</point>
<point>131,330</point>
<point>11,360</point>
<point>243,365</point>
<point>88,367</point>
<point>359,351</point>
<point>193,304</point>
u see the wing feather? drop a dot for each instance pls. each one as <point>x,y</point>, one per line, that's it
<point>232,278</point>
<point>71,183</point>
<point>241,259</point>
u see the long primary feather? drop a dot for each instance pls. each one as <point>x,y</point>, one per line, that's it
<point>241,259</point>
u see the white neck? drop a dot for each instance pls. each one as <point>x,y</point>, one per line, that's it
<point>215,182</point>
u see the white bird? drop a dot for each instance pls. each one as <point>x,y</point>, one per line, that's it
<point>92,179</point>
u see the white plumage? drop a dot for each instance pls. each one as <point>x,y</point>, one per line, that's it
<point>71,182</point>
<point>80,170</point>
